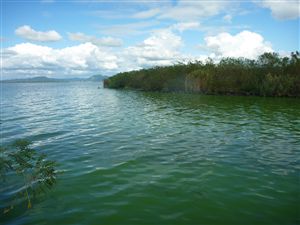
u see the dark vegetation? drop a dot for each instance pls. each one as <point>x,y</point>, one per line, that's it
<point>24,174</point>
<point>269,75</point>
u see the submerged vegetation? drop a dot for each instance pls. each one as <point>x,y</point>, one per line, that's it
<point>24,174</point>
<point>269,75</point>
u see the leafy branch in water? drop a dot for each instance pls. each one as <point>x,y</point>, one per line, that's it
<point>25,173</point>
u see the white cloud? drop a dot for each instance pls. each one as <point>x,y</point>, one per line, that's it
<point>114,14</point>
<point>161,14</point>
<point>30,34</point>
<point>147,13</point>
<point>180,10</point>
<point>135,28</point>
<point>186,26</point>
<point>227,18</point>
<point>244,44</point>
<point>141,9</point>
<point>27,58</point>
<point>186,10</point>
<point>283,9</point>
<point>105,41</point>
<point>161,48</point>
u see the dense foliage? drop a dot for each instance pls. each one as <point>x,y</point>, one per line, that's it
<point>269,75</point>
<point>24,173</point>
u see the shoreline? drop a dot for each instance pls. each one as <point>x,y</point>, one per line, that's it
<point>269,75</point>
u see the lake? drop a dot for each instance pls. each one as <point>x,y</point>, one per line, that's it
<point>128,157</point>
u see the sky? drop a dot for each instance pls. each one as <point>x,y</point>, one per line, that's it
<point>81,38</point>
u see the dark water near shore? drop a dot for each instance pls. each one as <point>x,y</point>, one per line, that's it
<point>156,158</point>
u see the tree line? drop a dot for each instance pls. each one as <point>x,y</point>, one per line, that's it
<point>268,75</point>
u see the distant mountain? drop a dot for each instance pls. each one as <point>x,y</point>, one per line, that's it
<point>42,79</point>
<point>97,77</point>
<point>33,80</point>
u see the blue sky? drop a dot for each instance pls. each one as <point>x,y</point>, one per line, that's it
<point>81,38</point>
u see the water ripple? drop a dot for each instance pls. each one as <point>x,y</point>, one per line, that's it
<point>128,157</point>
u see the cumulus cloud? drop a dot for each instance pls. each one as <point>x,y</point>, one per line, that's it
<point>244,44</point>
<point>105,41</point>
<point>30,34</point>
<point>283,9</point>
<point>161,48</point>
<point>28,58</point>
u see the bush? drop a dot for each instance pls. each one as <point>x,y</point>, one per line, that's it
<point>269,75</point>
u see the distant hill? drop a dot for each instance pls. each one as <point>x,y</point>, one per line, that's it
<point>98,77</point>
<point>43,79</point>
<point>33,80</point>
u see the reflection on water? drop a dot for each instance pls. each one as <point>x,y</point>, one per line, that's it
<point>140,158</point>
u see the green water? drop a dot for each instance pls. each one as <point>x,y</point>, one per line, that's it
<point>156,158</point>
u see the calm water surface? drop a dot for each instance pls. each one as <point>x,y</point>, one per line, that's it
<point>155,158</point>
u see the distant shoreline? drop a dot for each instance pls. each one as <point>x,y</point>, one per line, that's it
<point>44,79</point>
